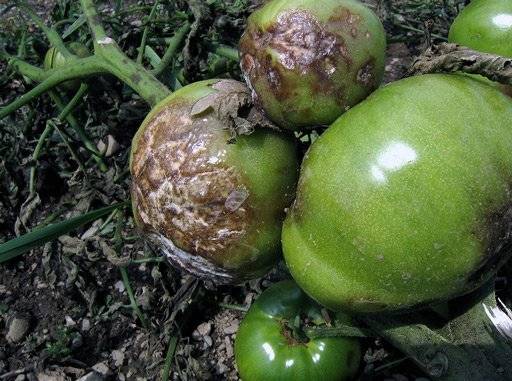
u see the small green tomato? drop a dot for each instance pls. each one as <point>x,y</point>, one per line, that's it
<point>309,61</point>
<point>55,59</point>
<point>211,183</point>
<point>270,345</point>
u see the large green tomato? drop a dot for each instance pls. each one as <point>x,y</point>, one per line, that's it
<point>267,350</point>
<point>207,192</point>
<point>407,198</point>
<point>486,26</point>
<point>308,61</point>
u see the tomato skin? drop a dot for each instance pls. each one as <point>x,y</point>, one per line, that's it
<point>405,200</point>
<point>213,204</point>
<point>309,61</point>
<point>263,352</point>
<point>486,26</point>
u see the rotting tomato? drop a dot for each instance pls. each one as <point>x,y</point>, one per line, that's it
<point>486,26</point>
<point>211,181</point>
<point>55,59</point>
<point>406,199</point>
<point>309,61</point>
<point>268,346</point>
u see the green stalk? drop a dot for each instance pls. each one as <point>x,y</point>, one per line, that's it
<point>65,113</point>
<point>227,52</point>
<point>146,32</point>
<point>35,156</point>
<point>75,69</point>
<point>338,331</point>
<point>118,64</point>
<point>173,343</point>
<point>131,296</point>
<point>174,43</point>
<point>24,68</point>
<point>82,135</point>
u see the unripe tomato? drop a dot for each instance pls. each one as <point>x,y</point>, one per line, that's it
<point>486,26</point>
<point>55,59</point>
<point>266,348</point>
<point>309,61</point>
<point>406,199</point>
<point>206,193</point>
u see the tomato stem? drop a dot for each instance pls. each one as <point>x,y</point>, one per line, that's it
<point>119,64</point>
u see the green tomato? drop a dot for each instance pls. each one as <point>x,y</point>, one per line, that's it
<point>266,349</point>
<point>212,200</point>
<point>406,199</point>
<point>486,26</point>
<point>309,61</point>
<point>55,59</point>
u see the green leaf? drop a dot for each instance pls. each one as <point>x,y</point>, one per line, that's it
<point>40,236</point>
<point>77,24</point>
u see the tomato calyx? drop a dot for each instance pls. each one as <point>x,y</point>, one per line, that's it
<point>293,332</point>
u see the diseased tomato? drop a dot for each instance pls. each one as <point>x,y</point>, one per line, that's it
<point>209,191</point>
<point>268,346</point>
<point>406,199</point>
<point>309,61</point>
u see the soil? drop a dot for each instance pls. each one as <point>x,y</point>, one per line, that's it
<point>65,312</point>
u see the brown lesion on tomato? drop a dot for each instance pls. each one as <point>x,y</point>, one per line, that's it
<point>183,189</point>
<point>296,43</point>
<point>366,76</point>
<point>343,19</point>
<point>496,233</point>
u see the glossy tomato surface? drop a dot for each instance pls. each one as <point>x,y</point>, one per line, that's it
<point>406,199</point>
<point>266,350</point>
<point>486,26</point>
<point>210,199</point>
<point>309,61</point>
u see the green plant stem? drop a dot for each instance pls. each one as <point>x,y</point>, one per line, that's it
<point>82,135</point>
<point>118,245</point>
<point>338,331</point>
<point>71,150</point>
<point>233,307</point>
<point>51,34</point>
<point>227,52</point>
<point>133,302</point>
<point>118,64</point>
<point>146,32</point>
<point>35,156</point>
<point>171,349</point>
<point>65,114</point>
<point>172,47</point>
<point>147,260</point>
<point>26,69</point>
<point>75,69</point>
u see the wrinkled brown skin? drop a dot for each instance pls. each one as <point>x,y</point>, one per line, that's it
<point>190,200</point>
<point>306,69</point>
